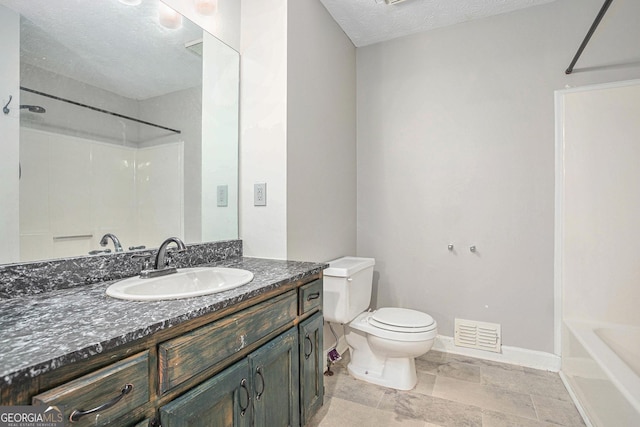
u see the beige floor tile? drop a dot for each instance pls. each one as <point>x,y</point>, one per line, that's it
<point>448,394</point>
<point>529,381</point>
<point>348,388</point>
<point>321,414</point>
<point>450,368</point>
<point>438,356</point>
<point>436,411</point>
<point>498,419</point>
<point>425,384</point>
<point>557,411</point>
<point>343,413</point>
<point>486,397</point>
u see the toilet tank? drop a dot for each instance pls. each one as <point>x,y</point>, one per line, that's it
<point>347,288</point>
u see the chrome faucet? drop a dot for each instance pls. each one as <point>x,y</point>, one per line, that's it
<point>161,266</point>
<point>116,243</point>
<point>162,261</point>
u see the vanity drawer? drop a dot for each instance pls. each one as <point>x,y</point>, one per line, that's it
<point>182,358</point>
<point>310,296</point>
<point>117,388</point>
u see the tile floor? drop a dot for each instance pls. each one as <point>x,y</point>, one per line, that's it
<point>452,390</point>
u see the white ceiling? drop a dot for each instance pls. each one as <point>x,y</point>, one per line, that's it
<point>371,21</point>
<point>104,43</point>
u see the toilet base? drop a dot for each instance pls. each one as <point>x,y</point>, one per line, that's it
<point>397,373</point>
<point>387,361</point>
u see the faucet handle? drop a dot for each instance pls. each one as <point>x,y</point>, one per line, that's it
<point>167,261</point>
<point>146,260</point>
<point>98,251</point>
<point>170,256</point>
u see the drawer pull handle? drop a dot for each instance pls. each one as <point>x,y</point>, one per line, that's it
<point>243,384</point>
<point>259,393</point>
<point>313,296</point>
<point>77,414</point>
<point>307,355</point>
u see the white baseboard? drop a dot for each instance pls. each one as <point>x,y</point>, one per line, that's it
<point>511,355</point>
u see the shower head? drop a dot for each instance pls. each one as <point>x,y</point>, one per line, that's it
<point>34,108</point>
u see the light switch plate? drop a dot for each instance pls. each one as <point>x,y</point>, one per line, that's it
<point>222,196</point>
<point>260,194</point>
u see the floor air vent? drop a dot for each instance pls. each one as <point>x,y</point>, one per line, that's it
<point>480,335</point>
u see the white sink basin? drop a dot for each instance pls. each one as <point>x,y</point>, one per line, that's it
<point>186,283</point>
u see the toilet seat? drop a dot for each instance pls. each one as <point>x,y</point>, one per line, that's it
<point>402,320</point>
<point>363,323</point>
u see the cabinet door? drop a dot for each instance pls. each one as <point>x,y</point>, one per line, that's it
<point>276,394</point>
<point>222,401</point>
<point>311,375</point>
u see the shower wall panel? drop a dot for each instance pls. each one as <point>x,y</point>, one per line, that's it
<point>160,195</point>
<point>74,190</point>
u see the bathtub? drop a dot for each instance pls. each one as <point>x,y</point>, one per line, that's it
<point>601,368</point>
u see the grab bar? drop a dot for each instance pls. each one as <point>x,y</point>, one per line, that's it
<point>76,236</point>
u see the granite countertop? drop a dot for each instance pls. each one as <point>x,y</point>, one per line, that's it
<point>47,331</point>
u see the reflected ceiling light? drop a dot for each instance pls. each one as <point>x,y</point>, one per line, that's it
<point>206,7</point>
<point>168,17</point>
<point>131,2</point>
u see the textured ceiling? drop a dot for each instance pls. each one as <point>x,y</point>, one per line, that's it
<point>372,21</point>
<point>107,44</point>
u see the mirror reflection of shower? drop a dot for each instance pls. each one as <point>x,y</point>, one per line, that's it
<point>34,109</point>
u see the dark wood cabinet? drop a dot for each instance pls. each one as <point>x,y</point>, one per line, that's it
<point>119,390</point>
<point>275,371</point>
<point>311,366</point>
<point>262,390</point>
<point>257,363</point>
<point>224,400</point>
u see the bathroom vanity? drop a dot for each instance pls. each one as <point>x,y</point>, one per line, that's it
<point>247,356</point>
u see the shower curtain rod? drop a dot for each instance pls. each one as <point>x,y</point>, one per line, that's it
<point>595,24</point>
<point>100,110</point>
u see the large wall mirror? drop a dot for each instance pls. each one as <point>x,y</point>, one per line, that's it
<point>128,124</point>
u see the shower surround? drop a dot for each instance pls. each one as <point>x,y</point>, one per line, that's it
<point>597,247</point>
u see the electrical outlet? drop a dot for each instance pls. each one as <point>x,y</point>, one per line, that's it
<point>260,194</point>
<point>222,196</point>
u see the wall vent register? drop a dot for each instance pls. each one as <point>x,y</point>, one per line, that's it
<point>479,335</point>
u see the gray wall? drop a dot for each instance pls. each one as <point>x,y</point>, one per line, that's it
<point>297,124</point>
<point>321,136</point>
<point>456,145</point>
<point>263,121</point>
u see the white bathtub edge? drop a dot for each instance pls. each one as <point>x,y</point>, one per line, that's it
<point>575,400</point>
<point>619,373</point>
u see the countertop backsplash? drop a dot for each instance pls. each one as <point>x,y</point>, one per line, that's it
<point>25,279</point>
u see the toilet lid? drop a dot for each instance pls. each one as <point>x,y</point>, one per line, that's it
<point>401,320</point>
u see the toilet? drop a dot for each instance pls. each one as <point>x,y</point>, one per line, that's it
<point>383,343</point>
